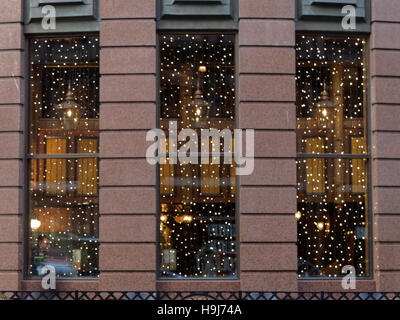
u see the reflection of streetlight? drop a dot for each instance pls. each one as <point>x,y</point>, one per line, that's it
<point>69,111</point>
<point>35,224</point>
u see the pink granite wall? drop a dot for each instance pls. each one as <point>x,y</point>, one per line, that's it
<point>385,125</point>
<point>267,198</point>
<point>128,110</point>
<point>12,124</point>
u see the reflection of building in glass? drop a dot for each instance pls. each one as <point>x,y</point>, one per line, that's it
<point>197,89</point>
<point>63,156</point>
<point>332,161</point>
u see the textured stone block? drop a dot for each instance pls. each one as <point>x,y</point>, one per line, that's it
<point>385,10</point>
<point>128,60</point>
<point>10,199</point>
<point>11,173</point>
<point>128,88</point>
<point>271,172</point>
<point>138,32</point>
<point>384,63</point>
<point>10,36</point>
<point>127,172</point>
<point>264,228</point>
<point>127,229</point>
<point>388,281</point>
<point>11,90</point>
<point>385,117</point>
<point>268,257</point>
<point>268,281</point>
<point>267,9</point>
<point>275,144</point>
<point>117,144</point>
<point>385,90</point>
<point>267,60</point>
<point>386,200</point>
<point>124,281</point>
<point>385,35</point>
<point>127,200</point>
<point>10,280</point>
<point>389,257</point>
<point>267,88</point>
<point>196,285</point>
<point>387,229</point>
<point>11,11</point>
<point>127,9</point>
<point>127,257</point>
<point>257,32</point>
<point>386,173</point>
<point>267,115</point>
<point>62,285</point>
<point>10,145</point>
<point>11,63</point>
<point>10,257</point>
<point>119,116</point>
<point>386,145</point>
<point>269,200</point>
<point>10,229</point>
<point>332,285</point>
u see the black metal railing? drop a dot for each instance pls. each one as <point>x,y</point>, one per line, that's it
<point>195,295</point>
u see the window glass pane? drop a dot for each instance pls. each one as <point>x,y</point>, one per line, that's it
<point>197,90</point>
<point>63,194</point>
<point>332,189</point>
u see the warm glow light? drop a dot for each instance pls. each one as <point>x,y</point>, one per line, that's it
<point>327,227</point>
<point>59,216</point>
<point>199,237</point>
<point>163,218</point>
<point>320,226</point>
<point>185,218</point>
<point>35,224</point>
<point>297,215</point>
<point>331,192</point>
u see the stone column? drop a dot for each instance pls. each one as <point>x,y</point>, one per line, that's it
<point>12,82</point>
<point>267,198</point>
<point>385,100</point>
<point>128,109</point>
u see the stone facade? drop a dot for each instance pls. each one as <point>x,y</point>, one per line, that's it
<point>128,184</point>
